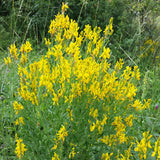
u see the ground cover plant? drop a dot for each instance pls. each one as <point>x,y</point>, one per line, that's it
<point>72,102</point>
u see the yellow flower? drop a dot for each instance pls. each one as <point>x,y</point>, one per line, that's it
<point>119,64</point>
<point>16,122</point>
<point>137,73</point>
<point>25,48</point>
<point>109,28</point>
<point>137,105</point>
<point>64,7</point>
<point>157,148</point>
<point>7,61</point>
<point>120,128</point>
<point>106,156</point>
<point>104,120</point>
<point>56,156</point>
<point>105,54</point>
<point>143,145</point>
<point>146,104</point>
<point>20,147</point>
<point>88,32</point>
<point>23,59</point>
<point>13,51</point>
<point>127,153</point>
<point>55,99</point>
<point>17,107</point>
<point>70,113</point>
<point>105,140</point>
<point>56,145</point>
<point>98,125</point>
<point>93,113</point>
<point>47,42</point>
<point>72,153</point>
<point>92,127</point>
<point>20,120</point>
<point>129,119</point>
<point>62,133</point>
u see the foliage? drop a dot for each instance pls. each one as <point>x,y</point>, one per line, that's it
<point>27,19</point>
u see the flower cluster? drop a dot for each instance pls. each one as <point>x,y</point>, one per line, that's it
<point>157,149</point>
<point>25,48</point>
<point>62,133</point>
<point>7,61</point>
<point>143,145</point>
<point>13,51</point>
<point>20,147</point>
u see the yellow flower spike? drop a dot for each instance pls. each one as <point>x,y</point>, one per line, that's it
<point>137,105</point>
<point>72,32</point>
<point>47,42</point>
<point>137,73</point>
<point>62,133</point>
<point>105,54</point>
<point>129,119</point>
<point>13,51</point>
<point>98,125</point>
<point>118,155</point>
<point>20,147</point>
<point>106,156</point>
<point>17,107</point>
<point>55,146</point>
<point>89,48</point>
<point>128,153</point>
<point>26,48</point>
<point>95,114</point>
<point>20,121</point>
<point>64,7</point>
<point>60,22</point>
<point>23,59</point>
<point>88,32</point>
<point>96,51</point>
<point>72,153</point>
<point>119,65</point>
<point>157,148</point>
<point>143,145</point>
<point>92,127</point>
<point>70,113</point>
<point>16,122</point>
<point>105,139</point>
<point>7,61</point>
<point>109,28</point>
<point>146,104</point>
<point>56,156</point>
<point>104,120</point>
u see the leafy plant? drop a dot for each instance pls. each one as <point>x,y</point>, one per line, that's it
<point>73,102</point>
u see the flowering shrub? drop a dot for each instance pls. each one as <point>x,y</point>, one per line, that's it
<point>74,104</point>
